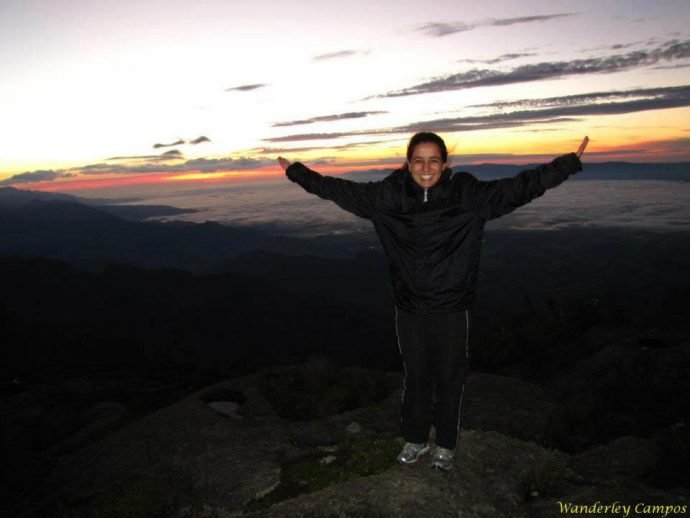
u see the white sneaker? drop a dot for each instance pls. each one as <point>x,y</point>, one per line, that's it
<point>412,451</point>
<point>442,458</point>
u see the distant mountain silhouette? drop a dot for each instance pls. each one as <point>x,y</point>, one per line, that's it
<point>92,238</point>
<point>11,198</point>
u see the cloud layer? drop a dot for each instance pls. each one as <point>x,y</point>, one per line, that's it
<point>35,176</point>
<point>531,111</point>
<point>500,59</point>
<point>158,145</point>
<point>670,51</point>
<point>440,29</point>
<point>329,118</point>
<point>155,164</point>
<point>180,142</point>
<point>339,54</point>
<point>246,88</point>
<point>651,205</point>
<point>201,165</point>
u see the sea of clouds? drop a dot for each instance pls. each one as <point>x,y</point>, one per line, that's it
<point>280,205</point>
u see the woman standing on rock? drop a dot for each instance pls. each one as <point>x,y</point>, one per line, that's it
<point>430,223</point>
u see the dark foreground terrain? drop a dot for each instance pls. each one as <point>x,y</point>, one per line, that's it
<point>162,393</point>
<point>200,371</point>
<point>317,440</point>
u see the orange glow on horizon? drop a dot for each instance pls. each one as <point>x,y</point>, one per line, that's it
<point>472,150</point>
<point>86,182</point>
<point>220,175</point>
<point>114,180</point>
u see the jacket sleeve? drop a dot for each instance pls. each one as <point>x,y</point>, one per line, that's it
<point>495,198</point>
<point>355,197</point>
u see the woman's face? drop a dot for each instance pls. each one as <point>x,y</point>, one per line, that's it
<point>426,164</point>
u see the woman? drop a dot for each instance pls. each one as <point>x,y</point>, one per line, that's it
<point>430,223</point>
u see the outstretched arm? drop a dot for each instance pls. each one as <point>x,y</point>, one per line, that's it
<point>496,198</point>
<point>357,198</point>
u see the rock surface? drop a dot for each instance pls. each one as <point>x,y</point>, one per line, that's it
<point>187,460</point>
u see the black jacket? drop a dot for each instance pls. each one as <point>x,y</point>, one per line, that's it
<point>433,246</point>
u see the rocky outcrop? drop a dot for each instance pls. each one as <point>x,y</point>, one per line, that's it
<point>625,456</point>
<point>635,385</point>
<point>508,405</point>
<point>263,459</point>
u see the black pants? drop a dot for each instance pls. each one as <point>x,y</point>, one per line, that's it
<point>435,354</point>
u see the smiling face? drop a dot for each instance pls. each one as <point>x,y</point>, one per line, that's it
<point>426,164</point>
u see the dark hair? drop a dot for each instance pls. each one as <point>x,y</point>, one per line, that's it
<point>426,136</point>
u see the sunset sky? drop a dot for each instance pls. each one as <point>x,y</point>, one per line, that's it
<point>100,92</point>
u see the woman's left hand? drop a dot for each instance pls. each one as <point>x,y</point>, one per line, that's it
<point>283,163</point>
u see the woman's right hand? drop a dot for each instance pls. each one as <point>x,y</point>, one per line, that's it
<point>283,163</point>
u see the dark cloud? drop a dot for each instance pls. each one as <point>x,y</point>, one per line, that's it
<point>498,121</point>
<point>246,88</point>
<point>212,165</point>
<point>499,59</point>
<point>438,125</point>
<point>539,130</point>
<point>277,151</point>
<point>203,165</point>
<point>625,45</point>
<point>274,151</point>
<point>445,28</point>
<point>671,51</point>
<point>101,168</point>
<point>133,157</point>
<point>363,143</point>
<point>168,155</point>
<point>672,67</point>
<point>178,142</point>
<point>656,98</point>
<point>35,176</point>
<point>533,111</point>
<point>338,54</point>
<point>320,162</point>
<point>526,19</point>
<point>328,118</point>
<point>561,109</point>
<point>440,29</point>
<point>311,136</point>
<point>621,46</point>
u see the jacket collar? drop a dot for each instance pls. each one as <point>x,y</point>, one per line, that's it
<point>412,188</point>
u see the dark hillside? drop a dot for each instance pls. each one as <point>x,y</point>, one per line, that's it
<point>56,317</point>
<point>92,238</point>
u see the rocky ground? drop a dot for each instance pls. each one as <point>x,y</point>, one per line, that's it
<point>318,441</point>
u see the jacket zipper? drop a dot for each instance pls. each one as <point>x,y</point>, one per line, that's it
<point>426,198</point>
